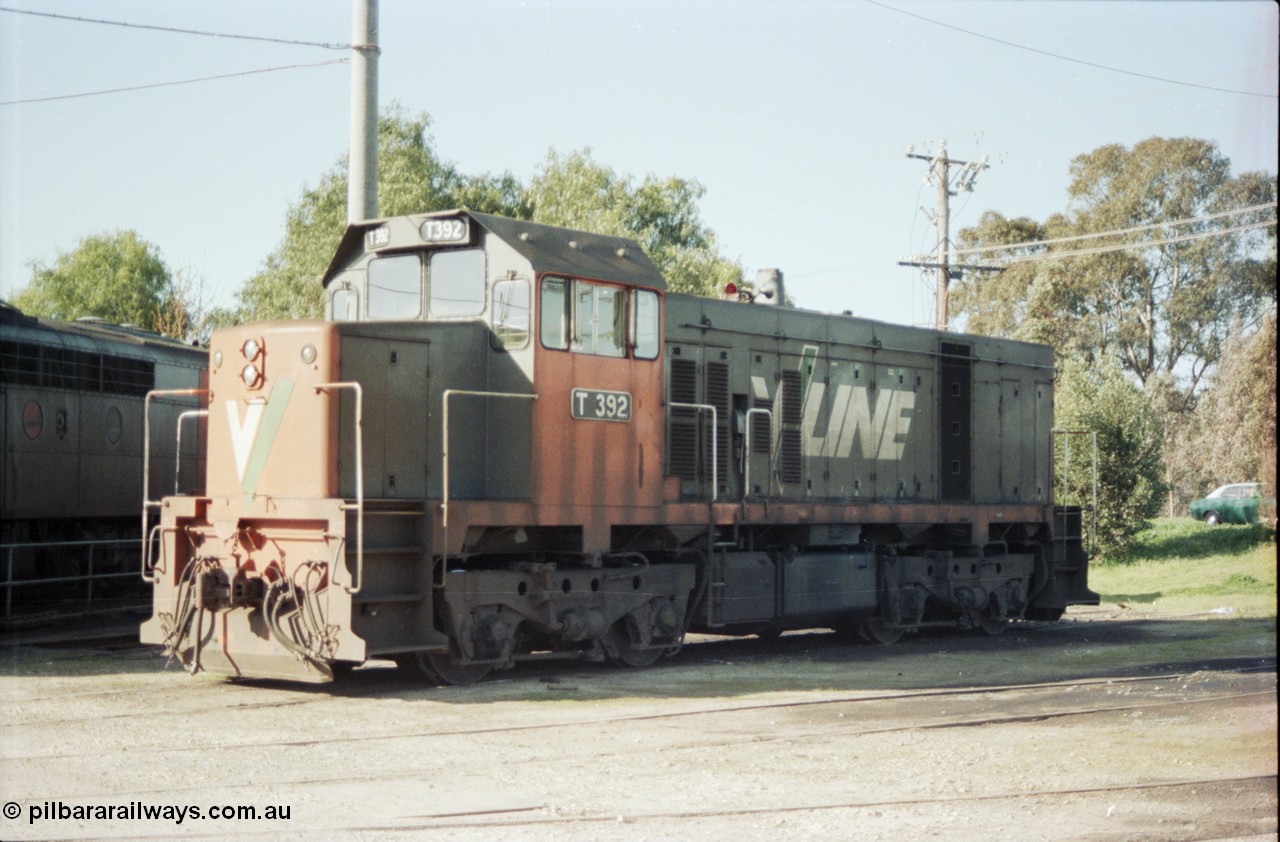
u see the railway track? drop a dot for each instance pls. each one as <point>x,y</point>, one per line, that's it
<point>383,683</point>
<point>454,820</point>
<point>1028,706</point>
<point>691,748</point>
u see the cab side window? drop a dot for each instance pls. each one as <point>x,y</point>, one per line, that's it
<point>554,315</point>
<point>344,305</point>
<point>599,319</point>
<point>511,313</point>
<point>644,324</point>
<point>344,299</point>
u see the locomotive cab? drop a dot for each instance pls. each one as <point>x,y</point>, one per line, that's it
<point>546,354</point>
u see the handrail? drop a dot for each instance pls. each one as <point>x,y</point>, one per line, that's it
<point>746,478</point>
<point>358,508</point>
<point>150,541</point>
<point>1066,476</point>
<point>715,455</point>
<point>444,443</point>
<point>147,502</point>
<point>177,457</point>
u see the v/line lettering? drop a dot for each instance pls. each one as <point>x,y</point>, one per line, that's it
<point>880,430</point>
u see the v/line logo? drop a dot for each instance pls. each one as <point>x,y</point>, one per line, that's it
<point>244,432</point>
<point>253,435</point>
<point>881,430</point>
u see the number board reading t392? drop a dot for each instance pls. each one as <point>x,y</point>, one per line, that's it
<point>597,405</point>
<point>445,231</point>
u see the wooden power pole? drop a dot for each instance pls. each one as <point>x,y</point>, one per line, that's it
<point>940,175</point>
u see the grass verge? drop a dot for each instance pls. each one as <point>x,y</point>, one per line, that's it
<point>1183,566</point>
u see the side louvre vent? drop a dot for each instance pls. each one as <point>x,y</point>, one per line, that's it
<point>790,456</point>
<point>682,433</point>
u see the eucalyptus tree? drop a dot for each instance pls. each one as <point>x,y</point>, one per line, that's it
<point>574,191</point>
<point>118,277</point>
<point>412,178</point>
<point>1192,272</point>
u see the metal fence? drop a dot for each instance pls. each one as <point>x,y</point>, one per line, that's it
<point>92,551</point>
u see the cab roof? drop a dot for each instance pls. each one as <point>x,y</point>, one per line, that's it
<point>549,249</point>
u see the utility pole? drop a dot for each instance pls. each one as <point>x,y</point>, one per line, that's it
<point>362,165</point>
<point>939,174</point>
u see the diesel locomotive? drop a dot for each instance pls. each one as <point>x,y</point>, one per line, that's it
<point>509,441</point>
<point>72,397</point>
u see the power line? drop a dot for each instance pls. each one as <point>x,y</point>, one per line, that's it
<point>1097,250</point>
<point>1069,58</point>
<point>1053,255</point>
<point>171,29</point>
<point>171,84</point>
<point>1117,232</point>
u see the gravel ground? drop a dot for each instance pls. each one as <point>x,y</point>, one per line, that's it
<point>1108,725</point>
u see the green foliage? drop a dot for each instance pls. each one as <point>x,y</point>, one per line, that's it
<point>1130,443</point>
<point>1176,316</point>
<point>118,277</point>
<point>1161,309</point>
<point>573,191</point>
<point>121,278</point>
<point>570,191</point>
<point>412,178</point>
<point>1230,436</point>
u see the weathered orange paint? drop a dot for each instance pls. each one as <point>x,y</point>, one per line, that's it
<point>301,459</point>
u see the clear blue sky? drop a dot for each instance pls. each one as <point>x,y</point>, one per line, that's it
<point>793,115</point>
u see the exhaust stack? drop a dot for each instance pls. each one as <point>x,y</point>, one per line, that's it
<point>768,287</point>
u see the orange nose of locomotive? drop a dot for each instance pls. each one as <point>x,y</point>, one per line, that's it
<point>271,421</point>
<point>251,578</point>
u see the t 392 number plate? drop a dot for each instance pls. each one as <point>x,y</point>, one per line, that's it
<point>597,405</point>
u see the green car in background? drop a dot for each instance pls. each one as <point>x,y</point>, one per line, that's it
<point>1235,503</point>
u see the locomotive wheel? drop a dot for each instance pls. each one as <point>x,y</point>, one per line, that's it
<point>450,671</point>
<point>416,667</point>
<point>441,668</point>
<point>993,625</point>
<point>628,655</point>
<point>875,631</point>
